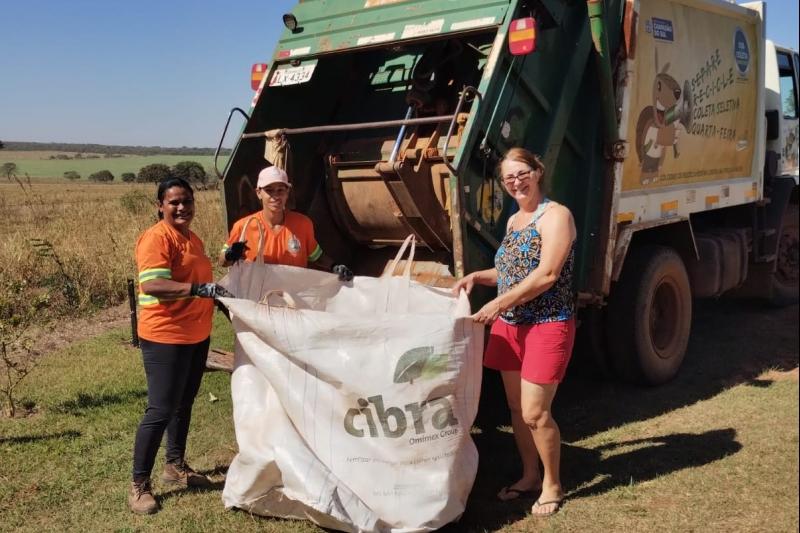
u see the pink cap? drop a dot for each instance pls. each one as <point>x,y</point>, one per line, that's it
<point>271,175</point>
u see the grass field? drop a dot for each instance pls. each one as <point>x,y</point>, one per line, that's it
<point>90,230</point>
<point>715,450</point>
<point>37,164</point>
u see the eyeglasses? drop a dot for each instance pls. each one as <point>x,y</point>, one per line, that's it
<point>521,176</point>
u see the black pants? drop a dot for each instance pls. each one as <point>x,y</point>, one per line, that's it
<point>174,372</point>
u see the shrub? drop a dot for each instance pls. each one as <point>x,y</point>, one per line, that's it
<point>192,171</point>
<point>213,182</point>
<point>71,175</point>
<point>102,175</point>
<point>128,177</point>
<point>136,202</point>
<point>9,170</point>
<point>154,173</point>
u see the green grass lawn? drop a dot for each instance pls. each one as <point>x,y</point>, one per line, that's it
<point>715,450</point>
<point>36,164</point>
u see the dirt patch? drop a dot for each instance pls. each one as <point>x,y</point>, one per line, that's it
<point>62,333</point>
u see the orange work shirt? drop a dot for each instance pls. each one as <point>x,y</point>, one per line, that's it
<point>293,244</point>
<point>163,252</point>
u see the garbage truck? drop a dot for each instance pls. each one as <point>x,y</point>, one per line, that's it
<point>668,127</point>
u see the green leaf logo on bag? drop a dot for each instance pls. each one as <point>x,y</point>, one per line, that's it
<point>419,363</point>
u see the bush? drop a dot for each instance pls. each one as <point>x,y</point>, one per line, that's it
<point>136,202</point>
<point>71,175</point>
<point>192,171</point>
<point>128,177</point>
<point>154,173</point>
<point>102,176</point>
<point>213,182</point>
<point>9,170</point>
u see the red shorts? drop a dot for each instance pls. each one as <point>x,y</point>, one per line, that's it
<point>540,352</point>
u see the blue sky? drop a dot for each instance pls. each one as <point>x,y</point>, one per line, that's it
<point>152,72</point>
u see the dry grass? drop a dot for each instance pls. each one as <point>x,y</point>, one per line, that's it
<point>90,231</point>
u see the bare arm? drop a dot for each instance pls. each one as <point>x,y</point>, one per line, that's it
<point>166,288</point>
<point>486,277</point>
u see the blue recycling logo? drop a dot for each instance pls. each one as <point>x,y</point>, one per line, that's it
<point>741,51</point>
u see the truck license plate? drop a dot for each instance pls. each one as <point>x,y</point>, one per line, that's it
<point>292,75</point>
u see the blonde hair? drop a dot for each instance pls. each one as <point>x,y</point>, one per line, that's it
<point>521,155</point>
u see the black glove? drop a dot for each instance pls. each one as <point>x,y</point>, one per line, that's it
<point>235,252</point>
<point>210,290</point>
<point>344,273</point>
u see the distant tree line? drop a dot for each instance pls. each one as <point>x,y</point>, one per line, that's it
<point>110,149</point>
<point>79,155</point>
<point>191,171</point>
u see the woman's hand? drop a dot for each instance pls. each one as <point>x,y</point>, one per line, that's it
<point>488,313</point>
<point>466,283</point>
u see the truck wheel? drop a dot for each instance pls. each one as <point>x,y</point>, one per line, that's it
<point>650,316</point>
<point>785,280</point>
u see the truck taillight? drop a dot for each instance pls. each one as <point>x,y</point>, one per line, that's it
<point>522,36</point>
<point>257,74</point>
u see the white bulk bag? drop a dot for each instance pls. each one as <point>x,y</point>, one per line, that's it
<point>352,403</point>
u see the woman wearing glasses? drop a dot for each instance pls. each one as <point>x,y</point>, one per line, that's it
<point>288,236</point>
<point>531,343</point>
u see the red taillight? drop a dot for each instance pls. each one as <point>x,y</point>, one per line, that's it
<point>257,74</point>
<point>522,36</point>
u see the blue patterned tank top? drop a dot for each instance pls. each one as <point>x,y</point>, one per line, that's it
<point>519,254</point>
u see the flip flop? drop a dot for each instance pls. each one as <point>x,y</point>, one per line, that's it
<point>559,504</point>
<point>507,494</point>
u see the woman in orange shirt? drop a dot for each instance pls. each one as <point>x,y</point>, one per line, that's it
<point>176,300</point>
<point>288,237</point>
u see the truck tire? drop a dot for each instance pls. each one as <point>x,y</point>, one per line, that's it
<point>785,280</point>
<point>650,316</point>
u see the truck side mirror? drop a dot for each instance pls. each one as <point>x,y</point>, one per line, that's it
<point>522,36</point>
<point>773,122</point>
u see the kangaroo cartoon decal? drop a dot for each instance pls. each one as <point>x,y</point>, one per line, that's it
<point>656,127</point>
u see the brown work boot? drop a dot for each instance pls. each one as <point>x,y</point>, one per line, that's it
<point>182,475</point>
<point>140,498</point>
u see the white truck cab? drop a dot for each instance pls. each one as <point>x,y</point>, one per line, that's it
<point>781,106</point>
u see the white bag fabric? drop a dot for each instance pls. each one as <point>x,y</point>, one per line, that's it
<point>352,403</point>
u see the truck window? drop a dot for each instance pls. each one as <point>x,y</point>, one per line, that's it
<point>787,84</point>
<point>796,65</point>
